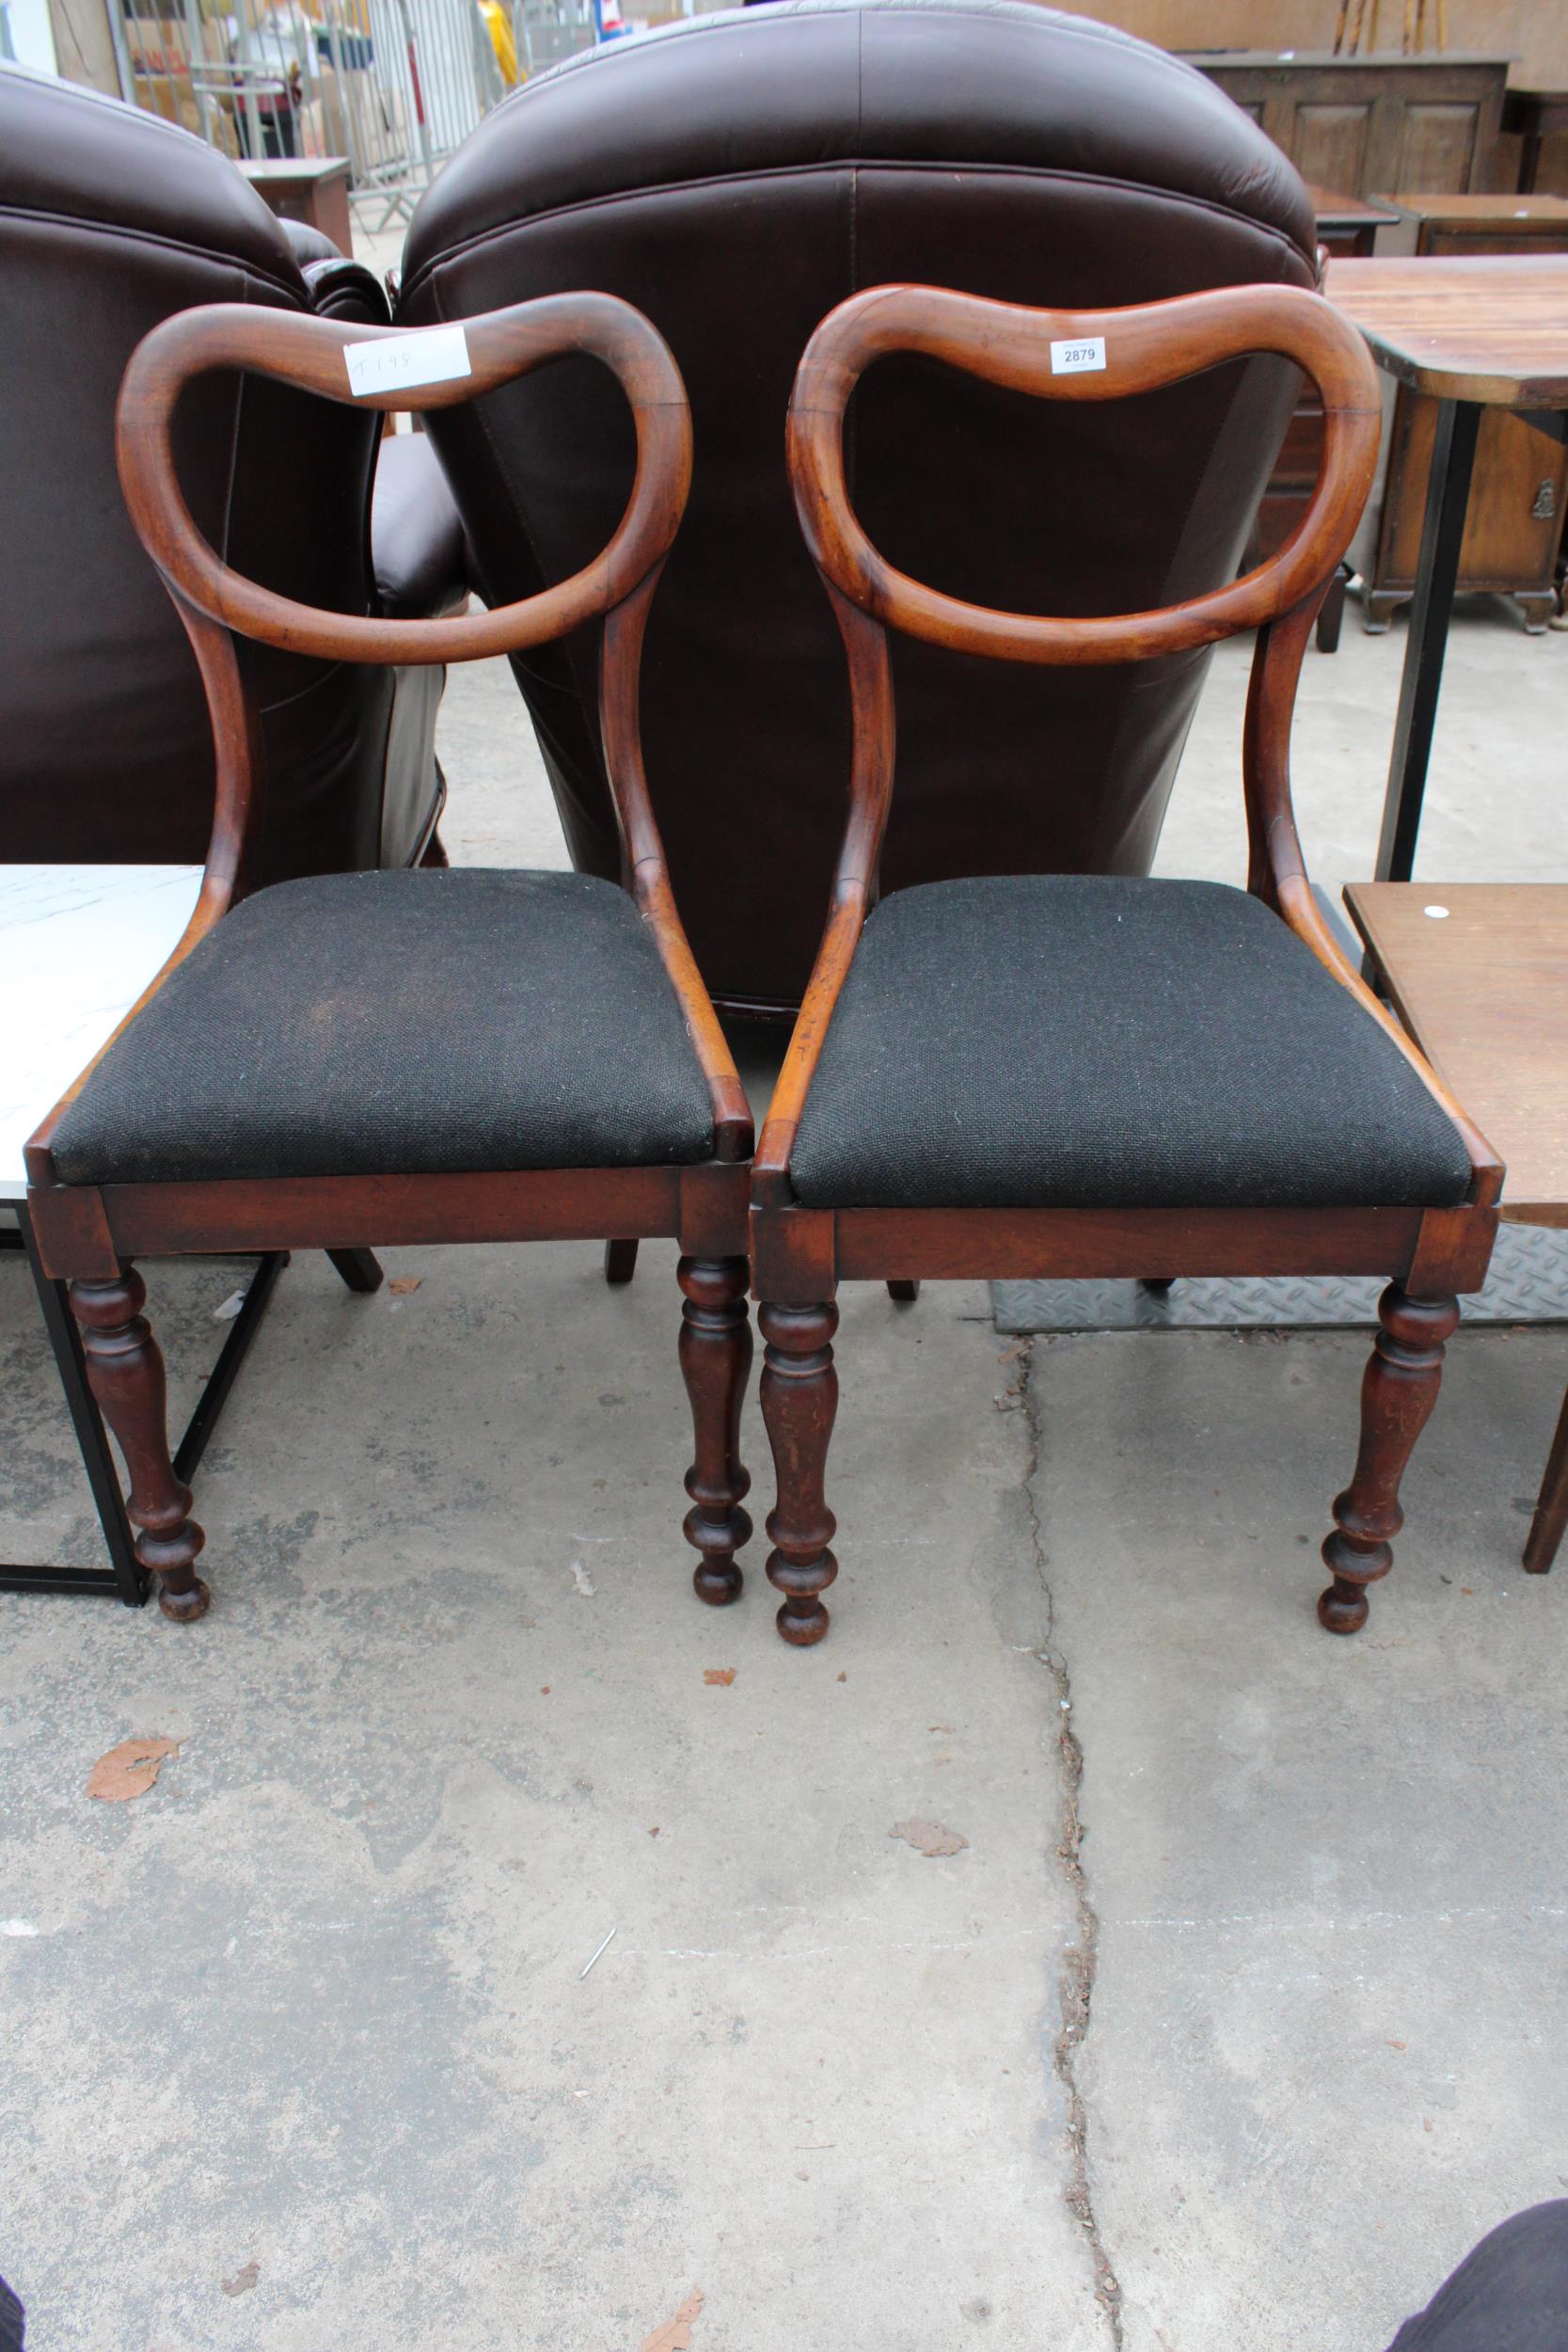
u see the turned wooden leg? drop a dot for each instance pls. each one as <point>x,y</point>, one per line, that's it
<point>620,1261</point>
<point>359,1268</point>
<point>715,1357</point>
<point>1398,1393</point>
<point>904,1294</point>
<point>1551,1509</point>
<point>125,1372</point>
<point>800,1398</point>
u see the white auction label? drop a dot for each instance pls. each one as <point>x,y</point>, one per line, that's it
<point>433,354</point>
<point>1078,358</point>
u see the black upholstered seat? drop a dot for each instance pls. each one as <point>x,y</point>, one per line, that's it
<point>1087,1042</point>
<point>402,1022</point>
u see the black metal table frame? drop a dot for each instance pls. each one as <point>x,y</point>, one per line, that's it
<point>125,1578</point>
<point>1448,500</point>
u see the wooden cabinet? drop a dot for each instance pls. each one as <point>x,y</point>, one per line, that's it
<point>1513,530</point>
<point>1367,123</point>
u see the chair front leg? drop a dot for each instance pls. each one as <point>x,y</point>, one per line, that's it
<point>716,1358</point>
<point>800,1398</point>
<point>125,1373</point>
<point>1398,1393</point>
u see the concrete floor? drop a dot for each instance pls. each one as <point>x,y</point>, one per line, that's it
<point>1236,2019</point>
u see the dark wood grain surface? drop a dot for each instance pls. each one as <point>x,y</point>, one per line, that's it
<point>1483,988</point>
<point>1493,328</point>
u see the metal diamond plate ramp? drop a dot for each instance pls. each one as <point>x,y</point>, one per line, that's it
<point>1527,1284</point>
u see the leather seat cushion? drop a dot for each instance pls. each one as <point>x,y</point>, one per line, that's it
<point>417,544</point>
<point>1094,1041</point>
<point>402,1022</point>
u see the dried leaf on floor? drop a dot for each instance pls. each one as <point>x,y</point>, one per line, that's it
<point>242,2281</point>
<point>675,2334</point>
<point>130,1770</point>
<point>581,1578</point>
<point>929,1837</point>
<point>724,1675</point>
<point>402,1284</point>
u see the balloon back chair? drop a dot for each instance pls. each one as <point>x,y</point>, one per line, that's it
<point>406,1057</point>
<point>1081,1075</point>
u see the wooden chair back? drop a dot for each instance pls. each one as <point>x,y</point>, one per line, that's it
<point>1081,355</point>
<point>385,369</point>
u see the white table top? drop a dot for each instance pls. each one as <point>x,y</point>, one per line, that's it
<point>78,944</point>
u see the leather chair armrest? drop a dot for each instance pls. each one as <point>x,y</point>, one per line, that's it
<point>307,243</point>
<point>341,289</point>
<point>422,565</point>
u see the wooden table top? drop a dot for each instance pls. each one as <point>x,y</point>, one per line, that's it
<point>295,171</point>
<point>1483,990</point>
<point>1530,215</point>
<point>78,944</point>
<point>1492,327</point>
<point>1331,209</point>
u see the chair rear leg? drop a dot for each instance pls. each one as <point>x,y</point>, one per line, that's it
<point>359,1268</point>
<point>125,1372</point>
<point>716,1358</point>
<point>800,1398</point>
<point>1398,1393</point>
<point>1551,1509</point>
<point>620,1261</point>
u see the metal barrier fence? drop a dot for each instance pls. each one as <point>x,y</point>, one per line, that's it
<point>393,84</point>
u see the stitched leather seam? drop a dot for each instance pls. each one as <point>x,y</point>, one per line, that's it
<point>1047,174</point>
<point>152,236</point>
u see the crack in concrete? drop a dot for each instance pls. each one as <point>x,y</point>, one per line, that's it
<point>1075,1987</point>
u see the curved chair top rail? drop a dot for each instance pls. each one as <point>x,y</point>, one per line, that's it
<point>433,367</point>
<point>1075,355</point>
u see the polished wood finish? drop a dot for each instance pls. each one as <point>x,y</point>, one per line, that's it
<point>1374,121</point>
<point>800,1400</point>
<point>1519,488</point>
<point>1435,223</point>
<point>125,1373</point>
<point>1483,990</point>
<point>800,1254</point>
<point>716,1358</point>
<point>1398,1390</point>
<point>1493,330</point>
<point>1348,224</point>
<point>86,1234</point>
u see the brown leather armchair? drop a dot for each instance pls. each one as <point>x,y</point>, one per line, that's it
<point>735,177</point>
<point>110,219</point>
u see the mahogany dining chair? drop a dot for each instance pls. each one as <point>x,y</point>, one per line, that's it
<point>1089,1074</point>
<point>406,1057</point>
